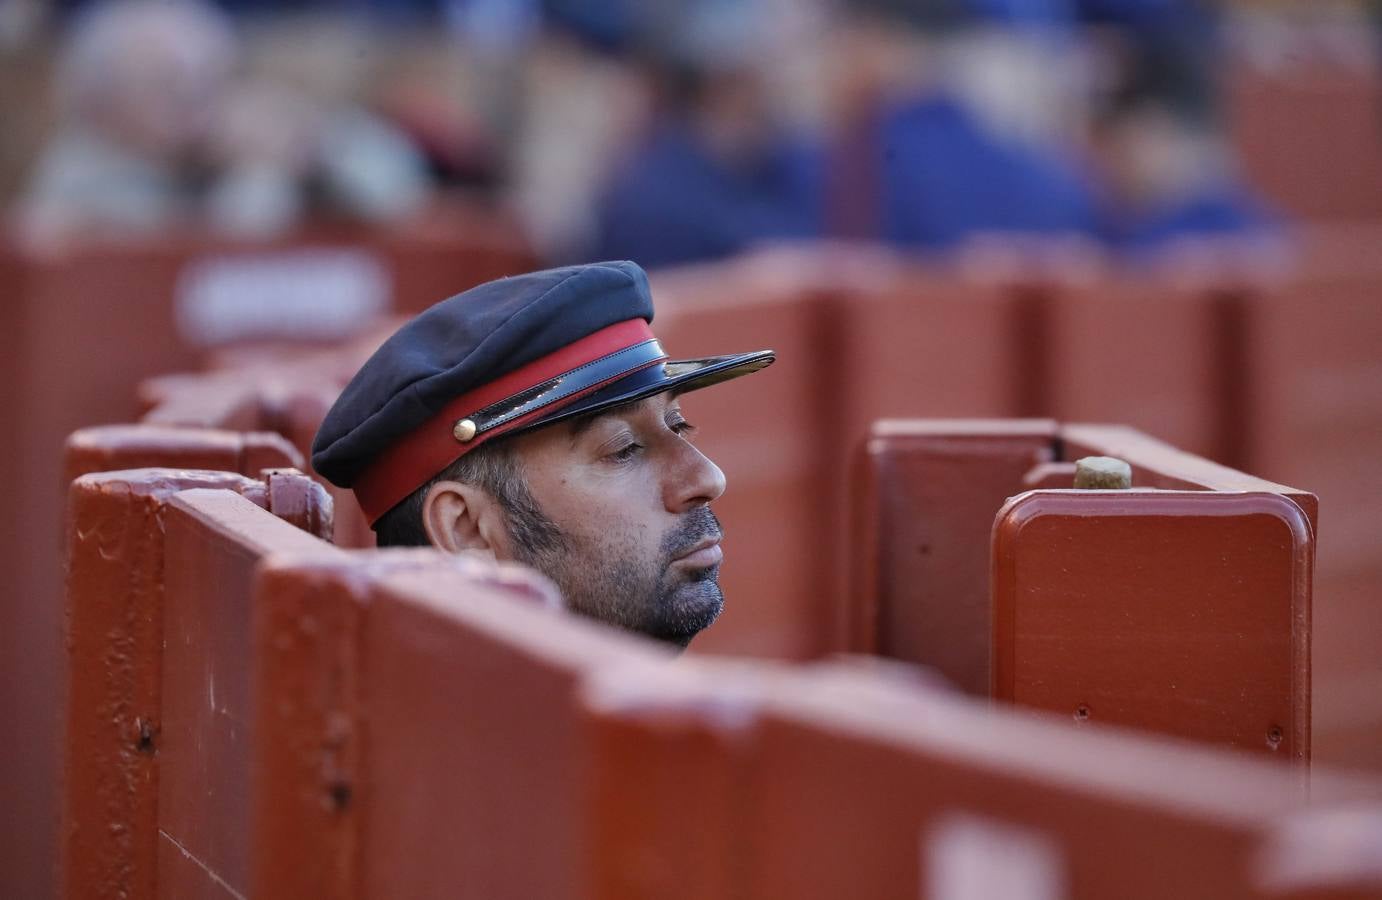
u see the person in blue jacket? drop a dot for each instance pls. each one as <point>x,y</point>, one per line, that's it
<point>717,172</point>
<point>1167,174</point>
<point>945,179</point>
<point>937,171</point>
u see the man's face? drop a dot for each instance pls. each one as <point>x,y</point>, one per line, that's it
<point>634,541</point>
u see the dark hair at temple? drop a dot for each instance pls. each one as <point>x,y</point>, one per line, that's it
<point>493,468</point>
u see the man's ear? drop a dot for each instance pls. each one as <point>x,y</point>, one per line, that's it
<point>459,516</point>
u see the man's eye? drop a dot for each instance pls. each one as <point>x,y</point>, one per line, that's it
<point>683,427</point>
<point>626,453</point>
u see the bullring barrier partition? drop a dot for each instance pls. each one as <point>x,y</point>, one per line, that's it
<point>1181,606</point>
<point>832,783</point>
<point>1271,371</point>
<point>109,448</point>
<point>275,389</point>
<point>82,323</point>
<point>416,731</point>
<point>423,738</point>
<point>154,762</point>
<point>1313,419</point>
<point>423,726</point>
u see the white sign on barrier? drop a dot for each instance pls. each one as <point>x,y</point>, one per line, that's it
<point>317,294</point>
<point>966,857</point>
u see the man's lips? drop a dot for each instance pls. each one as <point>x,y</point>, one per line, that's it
<point>702,554</point>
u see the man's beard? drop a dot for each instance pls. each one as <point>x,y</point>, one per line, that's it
<point>603,579</point>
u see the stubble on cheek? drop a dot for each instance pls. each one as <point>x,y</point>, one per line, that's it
<point>610,576</point>
<point>600,576</point>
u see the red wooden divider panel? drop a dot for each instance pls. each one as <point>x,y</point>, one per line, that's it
<point>833,785</point>
<point>416,730</point>
<point>1307,132</point>
<point>1316,419</point>
<point>276,388</point>
<point>1186,613</point>
<point>920,342</point>
<point>108,448</point>
<point>926,495</point>
<point>1205,571</point>
<point>671,778</point>
<point>134,591</point>
<point>213,542</point>
<point>1148,352</point>
<point>932,341</point>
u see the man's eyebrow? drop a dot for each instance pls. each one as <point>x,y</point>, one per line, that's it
<point>581,424</point>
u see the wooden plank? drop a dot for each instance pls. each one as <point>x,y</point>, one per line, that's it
<point>420,737</point>
<point>123,591</point>
<point>1183,612</point>
<point>928,491</point>
<point>836,783</point>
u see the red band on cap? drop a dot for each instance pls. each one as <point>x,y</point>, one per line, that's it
<point>414,458</point>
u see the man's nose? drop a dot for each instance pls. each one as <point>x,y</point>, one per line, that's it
<point>695,481</point>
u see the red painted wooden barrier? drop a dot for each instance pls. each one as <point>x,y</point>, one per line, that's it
<point>81,325</point>
<point>154,666</point>
<point>926,495</point>
<point>108,448</point>
<point>1183,612</point>
<point>384,684</point>
<point>1090,595</point>
<point>272,388</point>
<point>416,731</point>
<point>1315,418</point>
<point>835,784</point>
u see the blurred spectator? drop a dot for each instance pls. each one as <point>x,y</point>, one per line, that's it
<point>947,179</point>
<point>943,174</point>
<point>137,85</point>
<point>579,110</point>
<point>1167,173</point>
<point>157,130</point>
<point>431,92</point>
<point>718,170</point>
<point>294,143</point>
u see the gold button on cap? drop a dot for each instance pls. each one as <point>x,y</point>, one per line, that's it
<point>464,430</point>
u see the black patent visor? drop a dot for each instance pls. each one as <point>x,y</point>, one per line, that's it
<point>580,380</point>
<point>679,375</point>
